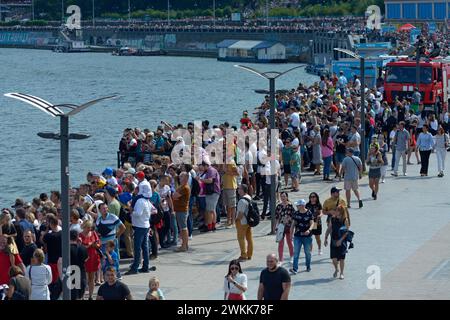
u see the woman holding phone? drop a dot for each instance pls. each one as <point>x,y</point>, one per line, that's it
<point>235,282</point>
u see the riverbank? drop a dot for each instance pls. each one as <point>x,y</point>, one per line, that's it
<point>180,42</point>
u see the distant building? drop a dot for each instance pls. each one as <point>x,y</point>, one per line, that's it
<point>416,10</point>
<point>251,51</point>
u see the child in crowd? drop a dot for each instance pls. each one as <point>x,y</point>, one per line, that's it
<point>111,258</point>
<point>154,292</point>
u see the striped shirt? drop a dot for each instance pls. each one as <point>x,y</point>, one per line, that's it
<point>107,227</point>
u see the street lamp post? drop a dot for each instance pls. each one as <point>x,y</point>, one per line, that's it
<point>64,137</point>
<point>267,13</point>
<point>129,12</point>
<point>363,100</point>
<point>93,13</point>
<point>418,65</point>
<point>168,12</point>
<point>214,13</point>
<point>271,76</point>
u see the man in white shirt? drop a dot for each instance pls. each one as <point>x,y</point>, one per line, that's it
<point>294,119</point>
<point>244,231</point>
<point>140,219</point>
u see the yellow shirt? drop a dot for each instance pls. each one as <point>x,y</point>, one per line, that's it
<point>229,180</point>
<point>331,204</point>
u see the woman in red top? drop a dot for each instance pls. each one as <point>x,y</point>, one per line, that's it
<point>92,243</point>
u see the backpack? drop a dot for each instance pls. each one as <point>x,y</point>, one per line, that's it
<point>157,217</point>
<point>252,213</point>
<point>195,191</point>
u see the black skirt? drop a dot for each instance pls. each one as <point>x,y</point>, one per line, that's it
<point>375,173</point>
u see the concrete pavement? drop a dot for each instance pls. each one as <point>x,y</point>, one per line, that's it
<point>405,234</point>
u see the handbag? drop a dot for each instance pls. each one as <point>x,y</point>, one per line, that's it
<point>280,232</point>
<point>209,188</point>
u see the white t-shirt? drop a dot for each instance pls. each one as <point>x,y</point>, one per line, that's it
<point>249,161</point>
<point>268,172</point>
<point>228,287</point>
<point>40,277</point>
<point>242,206</point>
<point>164,192</point>
<point>140,216</point>
<point>295,119</point>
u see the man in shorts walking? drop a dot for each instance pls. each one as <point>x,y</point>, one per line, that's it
<point>352,171</point>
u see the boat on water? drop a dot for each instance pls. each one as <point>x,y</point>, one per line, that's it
<point>128,51</point>
<point>317,69</point>
<point>71,46</point>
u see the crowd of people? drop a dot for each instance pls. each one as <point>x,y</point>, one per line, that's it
<point>151,203</point>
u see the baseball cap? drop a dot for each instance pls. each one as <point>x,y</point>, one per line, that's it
<point>108,172</point>
<point>112,192</point>
<point>300,202</point>
<point>18,203</point>
<point>132,171</point>
<point>335,189</point>
<point>140,175</point>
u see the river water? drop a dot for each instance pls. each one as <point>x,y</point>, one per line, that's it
<point>173,89</point>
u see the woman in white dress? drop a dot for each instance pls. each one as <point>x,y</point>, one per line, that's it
<point>40,276</point>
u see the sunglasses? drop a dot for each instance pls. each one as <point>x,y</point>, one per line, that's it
<point>312,197</point>
<point>234,268</point>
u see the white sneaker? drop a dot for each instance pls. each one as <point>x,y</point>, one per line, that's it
<point>382,181</point>
<point>320,252</point>
<point>341,276</point>
<point>405,174</point>
<point>291,261</point>
<point>190,237</point>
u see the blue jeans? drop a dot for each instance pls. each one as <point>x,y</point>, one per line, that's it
<point>306,242</point>
<point>174,227</point>
<point>327,165</point>
<point>190,221</point>
<point>140,243</point>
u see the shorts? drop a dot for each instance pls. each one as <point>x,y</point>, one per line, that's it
<point>211,201</point>
<point>295,174</point>
<point>317,231</point>
<point>287,169</point>
<point>351,185</point>
<point>340,157</point>
<point>182,219</point>
<point>229,198</point>
<point>375,173</point>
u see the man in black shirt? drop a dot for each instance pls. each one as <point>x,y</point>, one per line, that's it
<point>274,281</point>
<point>113,289</point>
<point>341,146</point>
<point>29,246</point>
<point>52,243</point>
<point>78,256</point>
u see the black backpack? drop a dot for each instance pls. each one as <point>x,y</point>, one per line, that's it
<point>252,213</point>
<point>157,217</point>
<point>195,191</point>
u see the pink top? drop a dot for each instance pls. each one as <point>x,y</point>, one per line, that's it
<point>327,149</point>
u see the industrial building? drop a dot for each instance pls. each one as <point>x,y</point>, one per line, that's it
<point>416,10</point>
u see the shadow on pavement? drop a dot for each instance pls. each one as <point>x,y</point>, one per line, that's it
<point>312,282</point>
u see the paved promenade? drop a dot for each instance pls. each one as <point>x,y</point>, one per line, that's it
<point>405,233</point>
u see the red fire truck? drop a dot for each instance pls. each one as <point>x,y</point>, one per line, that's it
<point>400,81</point>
